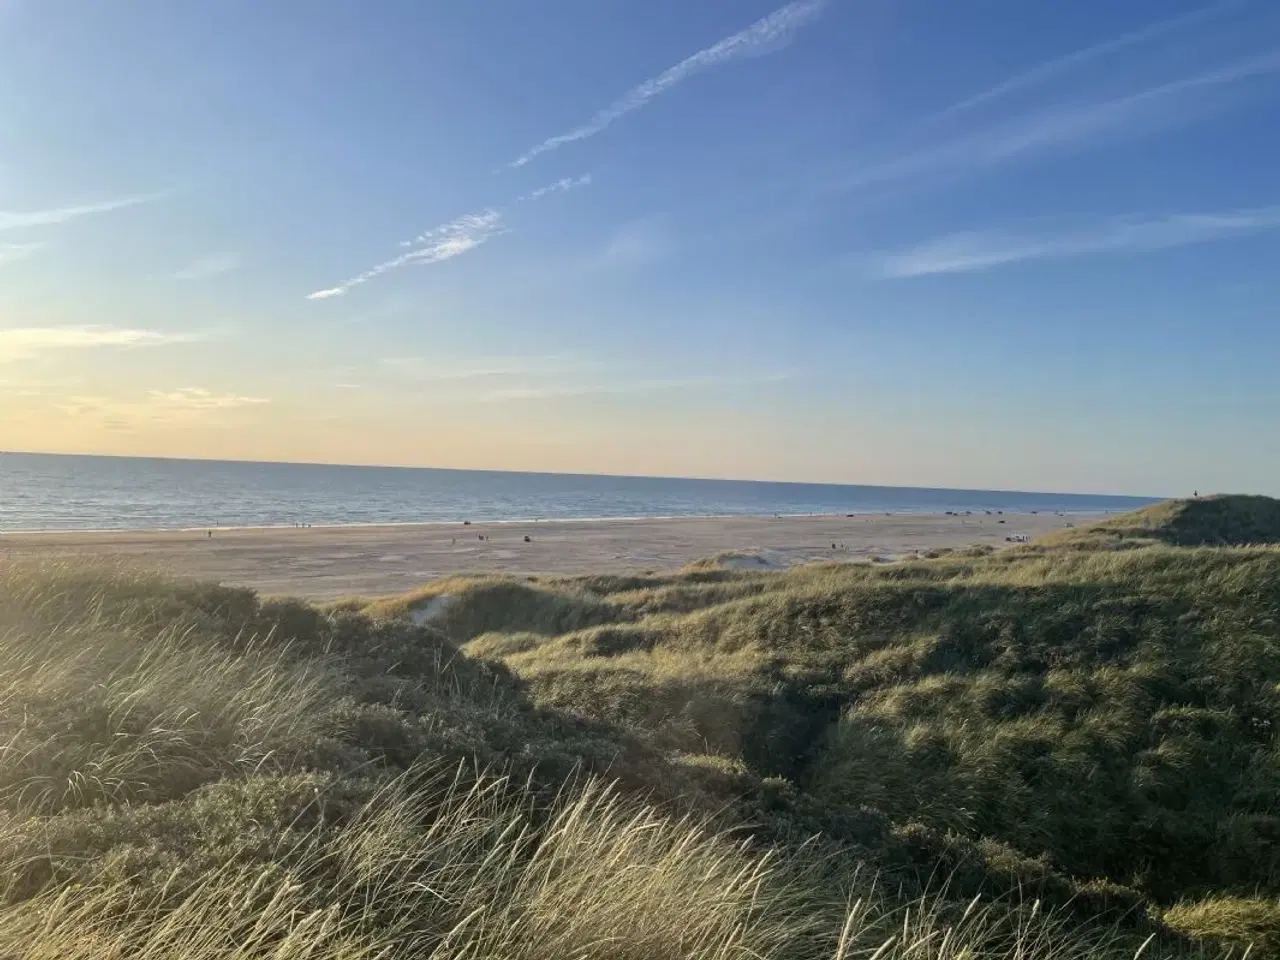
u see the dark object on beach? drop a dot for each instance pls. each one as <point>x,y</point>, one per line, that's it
<point>210,534</point>
<point>466,523</point>
<point>999,521</point>
<point>847,514</point>
<point>479,536</point>
<point>527,539</point>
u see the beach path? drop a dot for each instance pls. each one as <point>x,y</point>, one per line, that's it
<point>330,562</point>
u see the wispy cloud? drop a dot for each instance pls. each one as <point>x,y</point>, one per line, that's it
<point>560,186</point>
<point>445,242</point>
<point>463,226</point>
<point>478,368</point>
<point>185,406</point>
<point>198,398</point>
<point>639,243</point>
<point>20,219</point>
<point>763,36</point>
<point>21,343</point>
<point>451,239</point>
<point>9,252</point>
<point>37,386</point>
<point>1067,127</point>
<point>1058,66</point>
<point>208,267</point>
<point>624,386</point>
<point>983,250</point>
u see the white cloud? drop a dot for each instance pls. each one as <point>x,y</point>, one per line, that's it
<point>198,398</point>
<point>463,226</point>
<point>184,406</point>
<point>37,386</point>
<point>623,386</point>
<point>560,186</point>
<point>1068,127</point>
<point>208,267</point>
<point>478,368</point>
<point>20,343</point>
<point>10,252</point>
<point>762,36</point>
<point>1064,64</point>
<point>16,220</point>
<point>639,243</point>
<point>449,240</point>
<point>326,293</point>
<point>982,250</point>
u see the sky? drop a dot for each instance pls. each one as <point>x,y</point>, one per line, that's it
<point>988,244</point>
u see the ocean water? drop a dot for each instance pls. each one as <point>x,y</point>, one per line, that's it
<point>46,492</point>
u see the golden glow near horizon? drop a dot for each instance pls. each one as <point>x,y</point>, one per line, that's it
<point>136,392</point>
<point>579,434</point>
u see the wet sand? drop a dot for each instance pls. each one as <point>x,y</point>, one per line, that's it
<point>329,562</point>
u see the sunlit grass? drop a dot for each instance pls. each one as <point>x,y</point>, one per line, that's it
<point>1037,754</point>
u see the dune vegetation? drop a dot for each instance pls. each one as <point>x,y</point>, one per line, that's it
<point>1066,749</point>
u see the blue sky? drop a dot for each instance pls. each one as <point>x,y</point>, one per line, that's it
<point>990,244</point>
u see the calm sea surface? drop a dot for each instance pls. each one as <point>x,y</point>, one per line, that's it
<point>42,492</point>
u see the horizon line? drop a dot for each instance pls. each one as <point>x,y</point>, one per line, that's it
<point>572,473</point>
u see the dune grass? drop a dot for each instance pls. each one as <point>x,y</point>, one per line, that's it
<point>1046,752</point>
<point>1219,520</point>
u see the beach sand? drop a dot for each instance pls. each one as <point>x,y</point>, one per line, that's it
<point>330,562</point>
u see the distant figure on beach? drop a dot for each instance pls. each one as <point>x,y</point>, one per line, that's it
<point>527,539</point>
<point>210,534</point>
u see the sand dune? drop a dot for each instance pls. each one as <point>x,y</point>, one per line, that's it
<point>327,562</point>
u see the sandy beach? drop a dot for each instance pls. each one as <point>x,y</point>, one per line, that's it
<point>328,562</point>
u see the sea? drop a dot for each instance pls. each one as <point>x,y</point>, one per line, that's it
<point>59,492</point>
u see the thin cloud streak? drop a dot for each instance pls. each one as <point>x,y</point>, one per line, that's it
<point>560,186</point>
<point>21,343</point>
<point>1063,64</point>
<point>208,267</point>
<point>186,407</point>
<point>451,239</point>
<point>18,220</point>
<point>477,368</point>
<point>465,224</point>
<point>198,398</point>
<point>983,250</point>
<point>633,386</point>
<point>762,36</point>
<point>10,252</point>
<point>442,243</point>
<point>1064,128</point>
